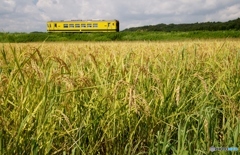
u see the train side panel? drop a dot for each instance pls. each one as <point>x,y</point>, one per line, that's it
<point>83,26</point>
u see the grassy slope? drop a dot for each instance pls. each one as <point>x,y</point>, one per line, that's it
<point>119,97</point>
<point>121,36</point>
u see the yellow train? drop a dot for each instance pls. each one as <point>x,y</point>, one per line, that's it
<point>83,26</point>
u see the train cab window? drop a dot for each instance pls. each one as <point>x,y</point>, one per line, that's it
<point>65,25</point>
<point>77,25</point>
<point>83,25</point>
<point>113,24</point>
<point>55,25</point>
<point>71,25</point>
<point>95,25</point>
<point>89,25</point>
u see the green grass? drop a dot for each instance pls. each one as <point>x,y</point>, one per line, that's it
<point>119,36</point>
<point>119,97</point>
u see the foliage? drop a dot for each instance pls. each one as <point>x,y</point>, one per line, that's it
<point>120,36</point>
<point>119,97</point>
<point>208,26</point>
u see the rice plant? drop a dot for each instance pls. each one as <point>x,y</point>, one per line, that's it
<point>123,98</point>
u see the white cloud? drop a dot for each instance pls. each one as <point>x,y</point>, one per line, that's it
<point>231,12</point>
<point>6,6</point>
<point>32,15</point>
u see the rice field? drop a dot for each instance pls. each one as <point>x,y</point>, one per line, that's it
<point>120,98</point>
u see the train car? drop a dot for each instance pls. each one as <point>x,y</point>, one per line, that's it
<point>83,26</point>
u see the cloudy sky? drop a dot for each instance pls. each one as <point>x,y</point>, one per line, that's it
<point>32,15</point>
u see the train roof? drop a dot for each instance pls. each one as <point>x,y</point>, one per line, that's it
<point>79,20</point>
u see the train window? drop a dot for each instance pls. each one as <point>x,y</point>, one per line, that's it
<point>77,25</point>
<point>113,24</point>
<point>65,25</point>
<point>55,25</point>
<point>71,25</point>
<point>95,25</point>
<point>89,25</point>
<point>83,25</point>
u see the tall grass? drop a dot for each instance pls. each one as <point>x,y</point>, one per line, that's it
<point>119,97</point>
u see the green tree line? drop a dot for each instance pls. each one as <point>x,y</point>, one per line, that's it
<point>207,26</point>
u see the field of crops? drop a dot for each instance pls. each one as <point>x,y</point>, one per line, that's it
<point>117,98</point>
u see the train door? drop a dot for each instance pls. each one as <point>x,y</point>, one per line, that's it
<point>54,26</point>
<point>117,26</point>
<point>48,26</point>
<point>109,26</point>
